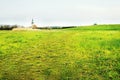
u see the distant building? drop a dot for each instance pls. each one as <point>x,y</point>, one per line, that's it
<point>33,25</point>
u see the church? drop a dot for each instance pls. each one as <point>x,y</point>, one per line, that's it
<point>33,25</point>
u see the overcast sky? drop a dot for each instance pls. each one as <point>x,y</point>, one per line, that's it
<point>59,12</point>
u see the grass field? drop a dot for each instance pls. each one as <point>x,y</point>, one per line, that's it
<point>82,53</point>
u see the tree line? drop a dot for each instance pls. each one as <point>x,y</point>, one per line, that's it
<point>8,27</point>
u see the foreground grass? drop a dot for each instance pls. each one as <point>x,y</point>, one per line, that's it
<point>71,54</point>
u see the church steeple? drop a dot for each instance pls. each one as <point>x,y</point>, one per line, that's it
<point>32,22</point>
<point>33,25</point>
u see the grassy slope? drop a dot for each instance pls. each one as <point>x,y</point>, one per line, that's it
<point>70,54</point>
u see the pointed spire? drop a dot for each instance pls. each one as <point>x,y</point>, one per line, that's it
<point>32,22</point>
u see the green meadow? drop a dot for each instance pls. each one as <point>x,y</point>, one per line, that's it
<point>82,53</point>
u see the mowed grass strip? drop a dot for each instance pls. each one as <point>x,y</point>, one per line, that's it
<point>60,55</point>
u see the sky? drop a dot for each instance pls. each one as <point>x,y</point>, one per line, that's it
<point>59,12</point>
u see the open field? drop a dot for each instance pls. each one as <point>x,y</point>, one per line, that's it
<point>83,53</point>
